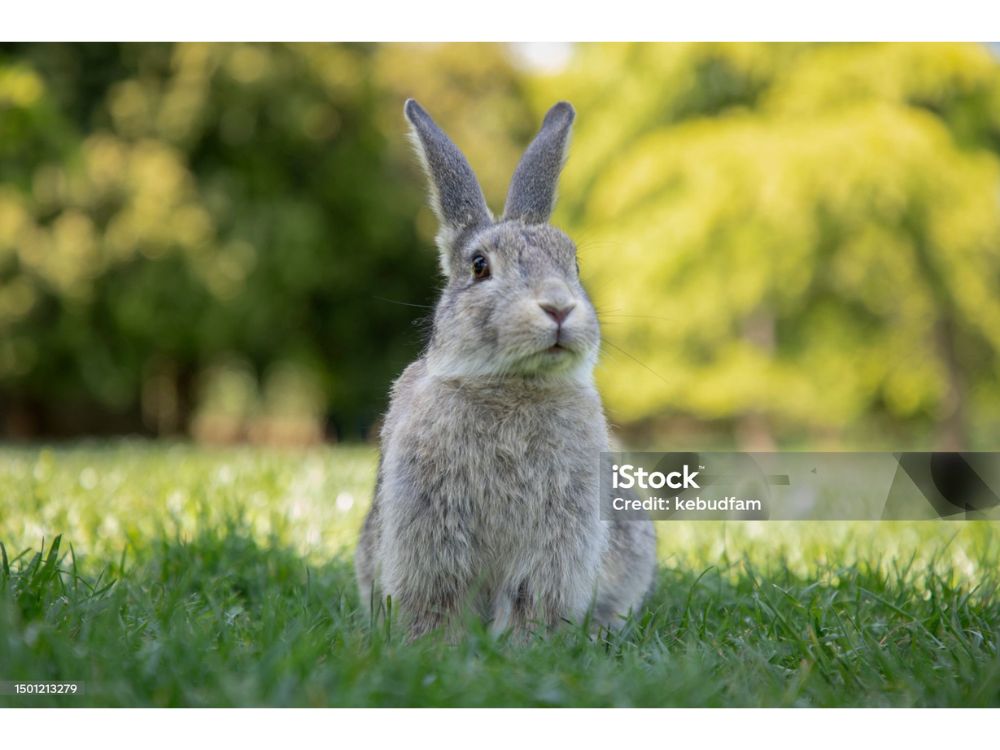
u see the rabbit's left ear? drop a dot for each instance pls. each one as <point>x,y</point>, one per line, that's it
<point>532,194</point>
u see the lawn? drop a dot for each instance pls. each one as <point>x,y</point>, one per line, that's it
<point>173,575</point>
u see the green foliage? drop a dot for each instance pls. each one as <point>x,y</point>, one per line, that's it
<point>222,578</point>
<point>803,235</point>
<point>177,219</point>
<point>800,243</point>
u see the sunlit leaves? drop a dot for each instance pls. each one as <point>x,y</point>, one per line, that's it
<point>787,231</point>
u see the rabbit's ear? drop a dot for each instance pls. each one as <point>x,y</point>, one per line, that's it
<point>532,193</point>
<point>455,193</point>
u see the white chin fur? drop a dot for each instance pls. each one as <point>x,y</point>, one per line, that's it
<point>567,365</point>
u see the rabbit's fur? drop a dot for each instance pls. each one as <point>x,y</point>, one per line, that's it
<point>488,491</point>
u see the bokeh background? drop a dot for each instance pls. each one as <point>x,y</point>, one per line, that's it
<point>789,245</point>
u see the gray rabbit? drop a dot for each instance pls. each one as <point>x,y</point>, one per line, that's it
<point>487,493</point>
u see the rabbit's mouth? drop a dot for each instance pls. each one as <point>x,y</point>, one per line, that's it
<point>558,357</point>
<point>558,346</point>
<point>557,353</point>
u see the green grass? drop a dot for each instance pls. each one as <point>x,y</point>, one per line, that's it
<point>179,576</point>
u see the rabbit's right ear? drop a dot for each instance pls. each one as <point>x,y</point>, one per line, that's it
<point>532,193</point>
<point>455,194</point>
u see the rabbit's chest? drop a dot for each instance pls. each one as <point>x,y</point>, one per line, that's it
<point>505,465</point>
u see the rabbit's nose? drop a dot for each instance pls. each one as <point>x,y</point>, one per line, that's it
<point>558,313</point>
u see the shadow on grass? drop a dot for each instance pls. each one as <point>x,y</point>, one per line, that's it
<point>225,620</point>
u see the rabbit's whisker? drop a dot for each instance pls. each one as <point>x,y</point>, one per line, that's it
<point>636,360</point>
<point>405,304</point>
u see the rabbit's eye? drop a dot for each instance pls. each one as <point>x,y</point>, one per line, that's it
<point>480,268</point>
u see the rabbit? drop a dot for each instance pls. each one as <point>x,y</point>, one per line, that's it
<point>487,494</point>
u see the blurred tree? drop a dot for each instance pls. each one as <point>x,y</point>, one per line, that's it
<point>188,232</point>
<point>798,240</point>
<point>801,240</point>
